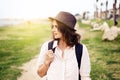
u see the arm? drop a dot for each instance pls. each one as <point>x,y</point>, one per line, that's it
<point>85,65</point>
<point>44,60</point>
<point>43,68</point>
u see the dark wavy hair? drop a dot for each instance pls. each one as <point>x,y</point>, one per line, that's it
<point>69,35</point>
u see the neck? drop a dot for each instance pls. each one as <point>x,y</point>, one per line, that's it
<point>62,45</point>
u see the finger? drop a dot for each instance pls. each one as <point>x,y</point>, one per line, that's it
<point>49,54</point>
<point>50,51</point>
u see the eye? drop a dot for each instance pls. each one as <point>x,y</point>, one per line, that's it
<point>56,26</point>
<point>52,26</point>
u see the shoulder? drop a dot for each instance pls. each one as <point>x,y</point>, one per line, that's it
<point>85,49</point>
<point>83,45</point>
<point>45,45</point>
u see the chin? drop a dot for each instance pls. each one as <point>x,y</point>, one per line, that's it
<point>56,38</point>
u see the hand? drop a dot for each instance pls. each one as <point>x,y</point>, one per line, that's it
<point>49,57</point>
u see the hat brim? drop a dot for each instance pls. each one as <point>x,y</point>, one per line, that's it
<point>51,19</point>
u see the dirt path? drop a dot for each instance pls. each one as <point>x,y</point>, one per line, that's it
<point>29,68</point>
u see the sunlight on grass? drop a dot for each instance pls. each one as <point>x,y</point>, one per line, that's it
<point>19,44</point>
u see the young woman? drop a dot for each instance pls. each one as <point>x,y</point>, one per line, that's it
<point>62,64</point>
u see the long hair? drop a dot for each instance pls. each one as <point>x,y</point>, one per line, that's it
<point>69,35</point>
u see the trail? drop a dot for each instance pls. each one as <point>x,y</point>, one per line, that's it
<point>29,70</point>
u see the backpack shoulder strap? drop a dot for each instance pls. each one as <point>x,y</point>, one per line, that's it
<point>50,46</point>
<point>78,52</point>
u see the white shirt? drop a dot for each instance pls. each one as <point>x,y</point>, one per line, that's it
<point>67,68</point>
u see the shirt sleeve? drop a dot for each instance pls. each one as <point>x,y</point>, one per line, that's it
<point>41,56</point>
<point>85,65</point>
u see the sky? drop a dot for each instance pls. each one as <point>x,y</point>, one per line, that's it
<point>28,9</point>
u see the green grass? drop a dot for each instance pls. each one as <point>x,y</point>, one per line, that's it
<point>110,22</point>
<point>19,44</point>
<point>104,55</point>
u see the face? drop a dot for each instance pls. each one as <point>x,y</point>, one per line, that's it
<point>56,33</point>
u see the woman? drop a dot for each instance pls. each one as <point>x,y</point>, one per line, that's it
<point>62,64</point>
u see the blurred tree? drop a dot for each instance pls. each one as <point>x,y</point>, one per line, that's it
<point>77,14</point>
<point>84,14</point>
<point>101,10</point>
<point>106,12</point>
<point>114,12</point>
<point>87,17</point>
<point>119,9</point>
<point>96,13</point>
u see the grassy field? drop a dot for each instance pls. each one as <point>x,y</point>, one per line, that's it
<point>105,55</point>
<point>20,43</point>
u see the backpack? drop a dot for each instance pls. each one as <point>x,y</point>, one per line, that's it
<point>78,52</point>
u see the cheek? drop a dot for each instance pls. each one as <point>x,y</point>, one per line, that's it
<point>57,35</point>
<point>60,35</point>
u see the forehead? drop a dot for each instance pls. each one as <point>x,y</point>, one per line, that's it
<point>54,22</point>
